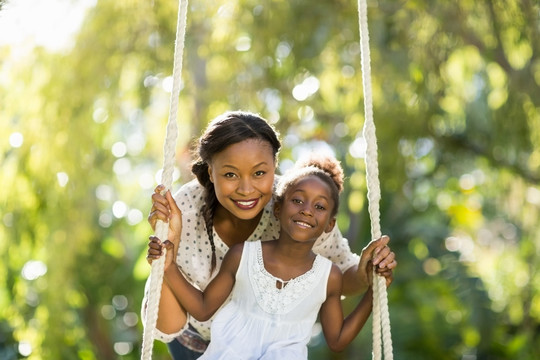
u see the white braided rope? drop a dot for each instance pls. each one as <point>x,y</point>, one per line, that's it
<point>169,149</point>
<point>381,318</point>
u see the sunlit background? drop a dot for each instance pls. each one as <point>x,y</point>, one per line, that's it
<point>84,96</point>
<point>51,24</point>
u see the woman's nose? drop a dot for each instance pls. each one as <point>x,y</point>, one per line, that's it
<point>245,187</point>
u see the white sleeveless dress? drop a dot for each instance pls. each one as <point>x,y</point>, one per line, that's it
<point>262,321</point>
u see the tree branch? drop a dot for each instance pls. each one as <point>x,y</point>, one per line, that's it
<point>462,142</point>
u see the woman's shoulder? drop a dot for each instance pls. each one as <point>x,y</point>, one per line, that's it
<point>190,196</point>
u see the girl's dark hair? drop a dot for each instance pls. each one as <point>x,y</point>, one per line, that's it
<point>225,130</point>
<point>327,168</point>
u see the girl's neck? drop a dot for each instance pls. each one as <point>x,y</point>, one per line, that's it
<point>231,229</point>
<point>287,260</point>
<point>294,252</point>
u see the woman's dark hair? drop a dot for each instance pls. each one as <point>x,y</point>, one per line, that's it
<point>327,168</point>
<point>225,130</point>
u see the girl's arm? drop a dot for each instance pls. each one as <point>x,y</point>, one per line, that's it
<point>339,332</point>
<point>202,305</point>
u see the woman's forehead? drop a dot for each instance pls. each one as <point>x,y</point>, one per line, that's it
<point>251,151</point>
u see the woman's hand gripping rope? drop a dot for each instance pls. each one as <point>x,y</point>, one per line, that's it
<point>378,254</point>
<point>174,219</point>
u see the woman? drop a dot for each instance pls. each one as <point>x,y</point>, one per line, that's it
<point>230,202</point>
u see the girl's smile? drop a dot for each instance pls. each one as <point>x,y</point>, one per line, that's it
<point>303,224</point>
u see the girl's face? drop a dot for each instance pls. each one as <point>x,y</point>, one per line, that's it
<point>243,177</point>
<point>306,210</point>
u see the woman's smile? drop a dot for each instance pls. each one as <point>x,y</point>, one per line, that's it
<point>246,204</point>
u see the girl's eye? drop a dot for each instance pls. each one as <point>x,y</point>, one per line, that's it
<point>320,207</point>
<point>296,201</point>
<point>229,175</point>
<point>260,173</point>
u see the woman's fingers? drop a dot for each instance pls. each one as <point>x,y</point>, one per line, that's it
<point>160,208</point>
<point>386,258</point>
<point>171,203</point>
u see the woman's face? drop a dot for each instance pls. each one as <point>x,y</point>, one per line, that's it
<point>243,177</point>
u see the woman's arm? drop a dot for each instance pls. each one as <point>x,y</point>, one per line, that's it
<point>376,253</point>
<point>171,316</point>
<point>340,332</point>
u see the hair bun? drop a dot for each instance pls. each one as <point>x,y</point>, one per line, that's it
<point>327,163</point>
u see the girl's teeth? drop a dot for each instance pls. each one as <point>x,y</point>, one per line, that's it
<point>303,224</point>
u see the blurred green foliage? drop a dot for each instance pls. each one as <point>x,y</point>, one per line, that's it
<point>456,89</point>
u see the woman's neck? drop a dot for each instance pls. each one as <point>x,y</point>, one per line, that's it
<point>231,229</point>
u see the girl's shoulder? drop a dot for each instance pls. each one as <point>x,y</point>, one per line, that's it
<point>237,248</point>
<point>335,279</point>
<point>235,254</point>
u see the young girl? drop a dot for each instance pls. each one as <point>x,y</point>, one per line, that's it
<point>278,287</point>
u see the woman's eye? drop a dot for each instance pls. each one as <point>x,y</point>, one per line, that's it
<point>260,173</point>
<point>230,175</point>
